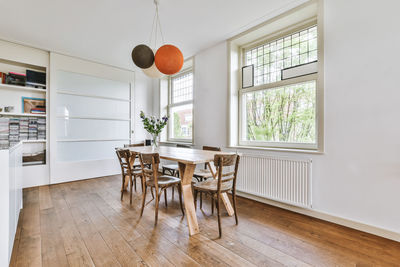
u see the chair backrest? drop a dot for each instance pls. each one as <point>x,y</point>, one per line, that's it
<point>226,160</point>
<point>125,156</point>
<point>211,148</point>
<point>151,160</point>
<point>183,146</point>
<point>134,145</point>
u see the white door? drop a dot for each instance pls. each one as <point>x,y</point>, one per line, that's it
<point>90,115</point>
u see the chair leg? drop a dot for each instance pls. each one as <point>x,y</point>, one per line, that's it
<point>143,200</point>
<point>219,215</point>
<point>141,179</point>
<point>130,193</point>
<point>122,187</point>
<point>173,192</point>
<point>165,198</point>
<point>212,204</point>
<point>180,198</point>
<point>156,211</point>
<point>201,200</point>
<point>151,190</point>
<point>234,206</point>
<point>195,199</point>
<point>134,178</point>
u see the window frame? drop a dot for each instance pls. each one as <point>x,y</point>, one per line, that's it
<point>172,105</point>
<point>309,77</point>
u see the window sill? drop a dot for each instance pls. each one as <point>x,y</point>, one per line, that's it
<point>277,149</point>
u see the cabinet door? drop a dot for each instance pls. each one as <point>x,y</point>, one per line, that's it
<point>11,208</point>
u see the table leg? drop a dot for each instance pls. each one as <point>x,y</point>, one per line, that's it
<point>186,173</point>
<point>224,196</point>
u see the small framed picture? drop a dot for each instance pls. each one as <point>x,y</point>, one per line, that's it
<point>248,76</point>
<point>33,105</point>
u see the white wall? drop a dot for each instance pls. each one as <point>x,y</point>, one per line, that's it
<point>143,100</point>
<point>358,176</point>
<point>211,96</point>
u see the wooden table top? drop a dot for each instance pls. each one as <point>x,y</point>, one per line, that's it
<point>184,155</point>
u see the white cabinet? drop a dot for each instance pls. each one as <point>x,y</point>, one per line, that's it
<point>10,199</point>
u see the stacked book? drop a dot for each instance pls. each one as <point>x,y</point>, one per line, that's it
<point>41,128</point>
<point>38,110</point>
<point>23,129</point>
<point>14,131</point>
<point>32,129</point>
<point>4,132</point>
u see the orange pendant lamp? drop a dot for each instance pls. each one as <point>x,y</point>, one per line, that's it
<point>168,59</point>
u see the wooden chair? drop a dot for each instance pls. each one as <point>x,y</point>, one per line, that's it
<point>136,166</point>
<point>203,174</point>
<point>134,145</point>
<point>151,178</point>
<point>224,183</point>
<point>126,157</point>
<point>173,169</point>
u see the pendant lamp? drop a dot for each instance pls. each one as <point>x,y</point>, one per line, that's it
<point>143,56</point>
<point>167,59</point>
<point>153,72</point>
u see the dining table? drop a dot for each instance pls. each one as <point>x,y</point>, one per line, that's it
<point>187,159</point>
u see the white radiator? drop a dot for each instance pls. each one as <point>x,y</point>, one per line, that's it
<point>282,179</point>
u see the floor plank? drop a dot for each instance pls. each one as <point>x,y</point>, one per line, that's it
<point>84,223</point>
<point>45,198</point>
<point>53,252</point>
<point>29,251</point>
<point>75,249</point>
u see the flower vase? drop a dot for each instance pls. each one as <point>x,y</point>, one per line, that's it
<point>155,142</point>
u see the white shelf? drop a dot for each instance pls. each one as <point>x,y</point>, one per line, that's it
<point>33,141</point>
<point>21,114</point>
<point>21,88</point>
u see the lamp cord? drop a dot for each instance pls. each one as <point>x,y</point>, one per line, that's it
<point>156,21</point>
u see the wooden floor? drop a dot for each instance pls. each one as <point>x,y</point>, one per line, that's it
<point>84,223</point>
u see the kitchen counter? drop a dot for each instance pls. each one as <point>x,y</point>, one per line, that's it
<point>10,198</point>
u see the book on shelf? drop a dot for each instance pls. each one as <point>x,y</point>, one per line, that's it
<point>14,130</point>
<point>15,78</point>
<point>3,78</point>
<point>4,132</point>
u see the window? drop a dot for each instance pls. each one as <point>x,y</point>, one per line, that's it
<point>180,107</point>
<point>269,59</point>
<point>278,112</point>
<point>283,114</point>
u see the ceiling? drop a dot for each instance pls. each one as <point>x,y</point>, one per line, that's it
<point>107,30</point>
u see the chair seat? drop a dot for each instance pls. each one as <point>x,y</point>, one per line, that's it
<point>164,180</point>
<point>135,172</point>
<point>211,186</point>
<point>203,173</point>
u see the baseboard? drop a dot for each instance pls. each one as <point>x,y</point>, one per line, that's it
<point>327,217</point>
